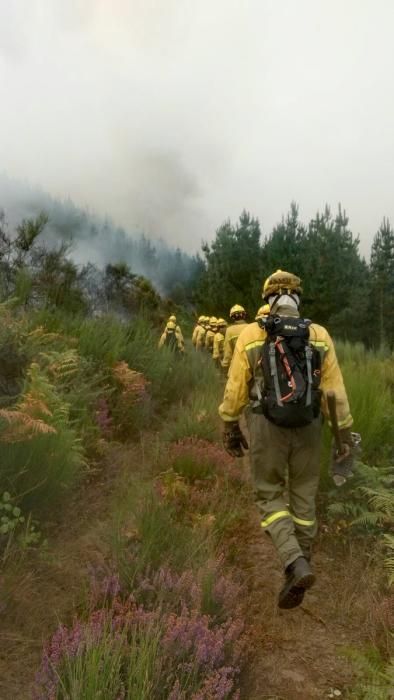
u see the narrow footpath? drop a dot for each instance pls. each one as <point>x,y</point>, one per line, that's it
<point>299,654</point>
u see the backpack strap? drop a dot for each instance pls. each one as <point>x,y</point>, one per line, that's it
<point>308,357</point>
<point>274,373</point>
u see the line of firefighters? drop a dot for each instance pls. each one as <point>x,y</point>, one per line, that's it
<point>212,334</point>
<point>218,337</point>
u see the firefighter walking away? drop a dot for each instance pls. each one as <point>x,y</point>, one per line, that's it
<point>172,339</point>
<point>282,368</point>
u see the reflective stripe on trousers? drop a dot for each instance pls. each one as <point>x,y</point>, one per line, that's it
<point>286,514</point>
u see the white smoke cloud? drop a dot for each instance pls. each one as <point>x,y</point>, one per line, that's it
<point>172,116</point>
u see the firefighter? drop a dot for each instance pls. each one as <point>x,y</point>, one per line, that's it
<point>210,334</point>
<point>200,337</point>
<point>197,328</point>
<point>263,312</point>
<point>238,323</point>
<point>286,400</point>
<point>218,342</point>
<point>171,339</point>
<point>178,331</point>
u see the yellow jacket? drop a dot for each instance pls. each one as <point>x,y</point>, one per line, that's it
<point>179,339</point>
<point>209,337</point>
<point>200,337</point>
<point>196,331</point>
<point>230,339</point>
<point>245,372</point>
<point>179,335</point>
<point>218,346</point>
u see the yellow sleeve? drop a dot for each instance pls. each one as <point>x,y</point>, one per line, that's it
<point>228,351</point>
<point>194,336</point>
<point>162,340</point>
<point>332,380</point>
<point>236,394</point>
<point>200,339</point>
<point>217,346</point>
<point>179,337</point>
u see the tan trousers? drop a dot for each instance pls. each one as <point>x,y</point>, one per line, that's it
<point>275,453</point>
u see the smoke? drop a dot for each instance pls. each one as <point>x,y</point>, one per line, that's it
<point>99,241</point>
<point>173,116</point>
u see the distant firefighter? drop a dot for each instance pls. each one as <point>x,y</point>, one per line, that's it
<point>197,329</point>
<point>238,319</point>
<point>178,331</point>
<point>218,342</point>
<point>201,333</point>
<point>171,339</point>
<point>263,312</point>
<point>210,334</point>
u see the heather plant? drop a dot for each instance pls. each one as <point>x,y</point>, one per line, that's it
<point>209,488</point>
<point>194,459</point>
<point>150,534</point>
<point>195,416</point>
<point>126,651</point>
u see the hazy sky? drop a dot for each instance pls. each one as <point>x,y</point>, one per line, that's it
<point>172,115</point>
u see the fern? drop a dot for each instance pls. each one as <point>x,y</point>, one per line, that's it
<point>376,677</point>
<point>22,426</point>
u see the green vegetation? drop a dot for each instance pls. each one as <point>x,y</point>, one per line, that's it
<point>163,615</point>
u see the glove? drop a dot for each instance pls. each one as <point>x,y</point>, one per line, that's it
<point>234,440</point>
<point>342,464</point>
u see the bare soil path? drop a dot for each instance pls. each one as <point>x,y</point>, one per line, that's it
<point>298,653</point>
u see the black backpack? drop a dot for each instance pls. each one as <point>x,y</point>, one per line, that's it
<point>171,340</point>
<point>291,368</point>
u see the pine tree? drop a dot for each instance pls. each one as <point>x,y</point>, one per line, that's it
<point>382,271</point>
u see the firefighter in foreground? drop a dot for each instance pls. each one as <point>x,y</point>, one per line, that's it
<point>237,324</point>
<point>171,339</point>
<point>282,369</point>
<point>218,342</point>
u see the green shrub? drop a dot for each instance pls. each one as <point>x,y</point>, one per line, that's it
<point>41,456</point>
<point>149,534</point>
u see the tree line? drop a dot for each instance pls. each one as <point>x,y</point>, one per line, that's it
<point>352,297</point>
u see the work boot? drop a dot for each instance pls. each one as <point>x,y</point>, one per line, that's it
<point>299,577</point>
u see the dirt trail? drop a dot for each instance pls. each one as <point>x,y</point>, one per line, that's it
<point>298,652</point>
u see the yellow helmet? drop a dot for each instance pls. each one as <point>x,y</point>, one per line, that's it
<point>263,311</point>
<point>237,312</point>
<point>171,326</point>
<point>213,321</point>
<point>281,282</point>
<point>221,322</point>
<point>172,318</point>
